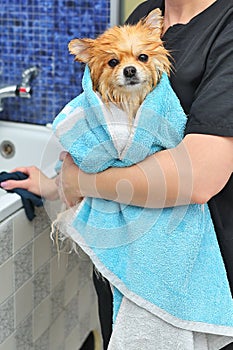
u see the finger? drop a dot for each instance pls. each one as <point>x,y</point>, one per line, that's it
<point>57,180</point>
<point>63,155</point>
<point>11,184</point>
<point>22,169</point>
<point>67,160</point>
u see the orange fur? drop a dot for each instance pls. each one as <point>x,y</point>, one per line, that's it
<point>125,44</point>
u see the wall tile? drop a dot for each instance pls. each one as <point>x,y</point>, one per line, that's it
<point>73,260</point>
<point>6,240</point>
<point>45,304</point>
<point>53,208</point>
<point>41,282</point>
<point>58,269</point>
<point>84,324</point>
<point>57,300</point>
<point>42,343</point>
<point>71,315</point>
<point>85,271</point>
<point>41,320</point>
<point>6,278</point>
<point>23,302</point>
<point>42,249</point>
<point>72,285</point>
<point>86,299</point>
<point>9,343</point>
<point>56,334</point>
<point>37,33</point>
<point>94,316</point>
<point>22,230</point>
<point>74,338</point>
<point>41,221</point>
<point>24,335</point>
<point>23,265</point>
<point>6,319</point>
<point>54,248</point>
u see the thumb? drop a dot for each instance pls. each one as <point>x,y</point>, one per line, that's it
<point>11,184</point>
<point>66,158</point>
<point>63,155</point>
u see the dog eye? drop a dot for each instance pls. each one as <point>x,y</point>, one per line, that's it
<point>143,57</point>
<point>113,62</point>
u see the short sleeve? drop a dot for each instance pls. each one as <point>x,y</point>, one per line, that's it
<point>212,109</point>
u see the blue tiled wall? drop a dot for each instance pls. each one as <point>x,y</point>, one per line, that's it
<point>36,32</point>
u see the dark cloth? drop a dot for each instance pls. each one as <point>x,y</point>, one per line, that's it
<point>228,347</point>
<point>29,199</point>
<point>202,77</point>
<point>105,305</point>
<point>89,343</point>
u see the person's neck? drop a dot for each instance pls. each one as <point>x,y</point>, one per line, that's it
<point>182,11</point>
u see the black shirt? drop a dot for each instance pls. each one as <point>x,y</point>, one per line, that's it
<point>202,78</point>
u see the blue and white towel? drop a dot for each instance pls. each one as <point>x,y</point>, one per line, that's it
<point>165,260</point>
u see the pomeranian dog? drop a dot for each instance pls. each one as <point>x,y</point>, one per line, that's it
<point>126,62</point>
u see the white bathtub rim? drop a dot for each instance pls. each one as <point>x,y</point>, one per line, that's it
<point>9,203</point>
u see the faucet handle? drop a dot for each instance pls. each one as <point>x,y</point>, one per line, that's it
<point>28,75</point>
<point>23,91</point>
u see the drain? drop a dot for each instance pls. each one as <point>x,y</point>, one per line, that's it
<point>7,149</point>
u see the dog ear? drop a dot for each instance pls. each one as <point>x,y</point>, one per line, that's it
<point>154,20</point>
<point>81,49</point>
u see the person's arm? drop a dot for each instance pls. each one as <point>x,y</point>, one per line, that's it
<point>37,183</point>
<point>193,172</point>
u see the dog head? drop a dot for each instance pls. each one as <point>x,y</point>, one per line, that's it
<point>125,62</point>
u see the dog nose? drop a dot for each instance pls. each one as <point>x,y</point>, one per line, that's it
<point>129,71</point>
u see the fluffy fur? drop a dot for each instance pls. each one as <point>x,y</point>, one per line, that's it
<point>125,62</point>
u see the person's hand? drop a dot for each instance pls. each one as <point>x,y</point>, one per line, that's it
<point>68,181</point>
<point>37,183</point>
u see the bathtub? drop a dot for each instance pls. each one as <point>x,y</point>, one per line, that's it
<point>24,145</point>
<point>47,300</point>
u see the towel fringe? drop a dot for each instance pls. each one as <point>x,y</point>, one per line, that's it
<point>61,238</point>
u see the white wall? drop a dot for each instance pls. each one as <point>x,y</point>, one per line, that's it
<point>127,7</point>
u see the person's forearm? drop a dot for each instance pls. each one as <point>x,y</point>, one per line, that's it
<point>186,174</point>
<point>154,183</point>
<point>144,184</point>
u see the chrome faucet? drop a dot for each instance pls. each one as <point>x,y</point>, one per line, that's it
<point>22,90</point>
